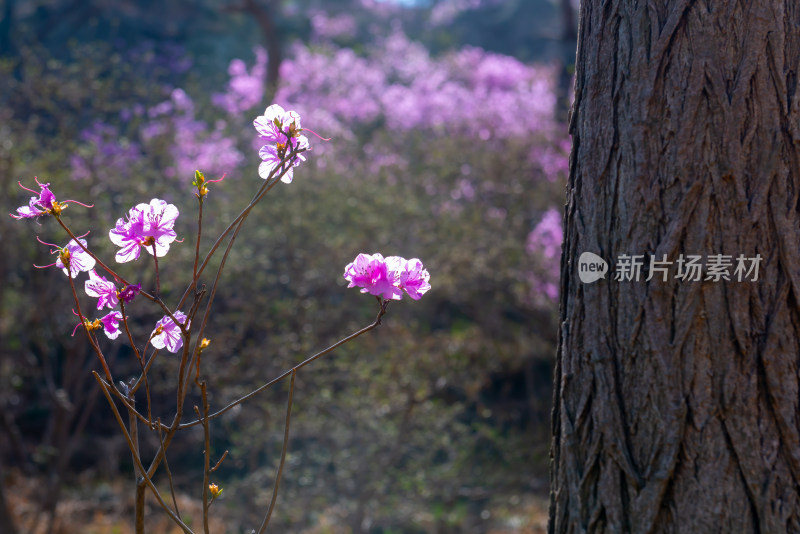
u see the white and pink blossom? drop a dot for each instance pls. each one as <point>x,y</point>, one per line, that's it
<point>99,287</point>
<point>110,323</point>
<point>148,225</point>
<point>71,255</point>
<point>388,277</point>
<point>167,334</point>
<point>279,132</point>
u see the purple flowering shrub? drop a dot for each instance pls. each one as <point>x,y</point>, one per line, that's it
<point>181,330</point>
<point>544,244</point>
<point>469,92</point>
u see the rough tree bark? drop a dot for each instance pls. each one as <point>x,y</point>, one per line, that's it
<point>676,402</point>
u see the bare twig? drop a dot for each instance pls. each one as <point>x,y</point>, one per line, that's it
<point>219,462</point>
<point>169,473</point>
<point>270,182</point>
<point>206,451</point>
<point>200,198</point>
<point>145,477</point>
<point>283,456</point>
<point>296,368</point>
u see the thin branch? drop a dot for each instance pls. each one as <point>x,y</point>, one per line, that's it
<point>131,407</point>
<point>181,393</point>
<point>283,455</point>
<point>140,359</point>
<point>137,461</point>
<point>294,369</point>
<point>270,182</point>
<point>134,441</point>
<point>169,473</point>
<point>211,296</point>
<point>141,378</point>
<point>219,462</point>
<point>197,244</point>
<point>206,450</point>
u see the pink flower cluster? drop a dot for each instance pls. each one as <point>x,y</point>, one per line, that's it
<point>148,225</point>
<point>39,205</point>
<point>73,259</point>
<point>109,323</point>
<point>246,87</point>
<point>192,143</point>
<point>397,82</point>
<point>104,291</point>
<point>44,203</point>
<point>388,277</point>
<point>468,92</point>
<point>279,130</point>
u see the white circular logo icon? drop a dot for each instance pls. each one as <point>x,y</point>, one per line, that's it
<point>591,267</point>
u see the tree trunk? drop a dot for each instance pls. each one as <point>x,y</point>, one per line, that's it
<point>676,402</point>
<point>567,42</point>
<point>265,17</point>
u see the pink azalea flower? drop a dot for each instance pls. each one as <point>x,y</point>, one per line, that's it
<point>147,225</point>
<point>279,130</point>
<point>273,124</point>
<point>388,277</point>
<point>111,324</point>
<point>105,291</point>
<point>168,334</point>
<point>44,204</point>
<point>40,205</point>
<point>79,260</point>
<point>272,155</point>
<point>372,274</point>
<point>414,279</point>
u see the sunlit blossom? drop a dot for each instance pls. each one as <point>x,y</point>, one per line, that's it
<point>73,255</point>
<point>414,279</point>
<point>275,123</point>
<point>99,287</point>
<point>110,323</point>
<point>388,277</point>
<point>279,131</point>
<point>148,225</point>
<point>167,334</point>
<point>44,203</point>
<point>272,156</point>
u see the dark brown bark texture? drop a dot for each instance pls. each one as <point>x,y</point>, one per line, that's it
<point>676,402</point>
